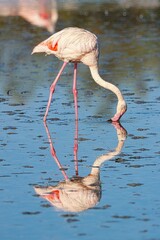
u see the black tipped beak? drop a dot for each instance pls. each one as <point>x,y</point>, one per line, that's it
<point>109,120</point>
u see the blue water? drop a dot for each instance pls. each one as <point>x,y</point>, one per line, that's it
<point>129,207</point>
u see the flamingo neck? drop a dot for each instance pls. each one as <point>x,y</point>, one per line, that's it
<point>97,78</point>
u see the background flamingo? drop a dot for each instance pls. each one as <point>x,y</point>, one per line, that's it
<point>78,45</point>
<point>41,13</point>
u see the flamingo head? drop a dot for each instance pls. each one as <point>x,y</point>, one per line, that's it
<point>121,109</point>
<point>41,47</point>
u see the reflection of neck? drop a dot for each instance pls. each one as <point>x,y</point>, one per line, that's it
<point>121,135</point>
<point>100,160</point>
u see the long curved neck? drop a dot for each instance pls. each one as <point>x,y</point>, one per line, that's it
<point>104,84</point>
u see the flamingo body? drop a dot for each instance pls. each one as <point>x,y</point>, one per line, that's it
<point>78,45</point>
<point>68,46</point>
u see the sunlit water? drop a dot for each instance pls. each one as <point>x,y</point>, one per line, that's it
<point>129,207</point>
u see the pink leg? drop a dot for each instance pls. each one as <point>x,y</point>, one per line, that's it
<point>75,92</point>
<point>52,88</point>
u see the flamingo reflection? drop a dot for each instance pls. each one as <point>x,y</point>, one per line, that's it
<point>41,13</point>
<point>77,194</point>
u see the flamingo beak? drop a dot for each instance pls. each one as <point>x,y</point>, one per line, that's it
<point>116,117</point>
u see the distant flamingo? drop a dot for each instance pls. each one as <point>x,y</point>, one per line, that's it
<point>78,45</point>
<point>41,13</point>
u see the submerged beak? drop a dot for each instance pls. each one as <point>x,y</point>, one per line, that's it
<point>116,117</point>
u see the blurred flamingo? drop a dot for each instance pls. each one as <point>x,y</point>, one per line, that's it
<point>41,13</point>
<point>78,45</point>
<point>78,193</point>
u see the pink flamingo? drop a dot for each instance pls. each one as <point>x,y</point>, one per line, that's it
<point>76,45</point>
<point>41,13</point>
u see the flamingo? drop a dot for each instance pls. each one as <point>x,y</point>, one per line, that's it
<point>76,45</point>
<point>41,13</point>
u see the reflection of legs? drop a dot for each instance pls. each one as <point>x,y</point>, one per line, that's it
<point>76,148</point>
<point>53,153</point>
<point>75,92</point>
<point>52,88</point>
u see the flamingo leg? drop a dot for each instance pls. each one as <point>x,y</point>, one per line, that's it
<point>52,89</point>
<point>75,92</point>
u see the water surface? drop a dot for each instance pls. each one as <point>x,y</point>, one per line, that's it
<point>129,205</point>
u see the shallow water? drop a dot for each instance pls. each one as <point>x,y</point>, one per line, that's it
<point>128,206</point>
